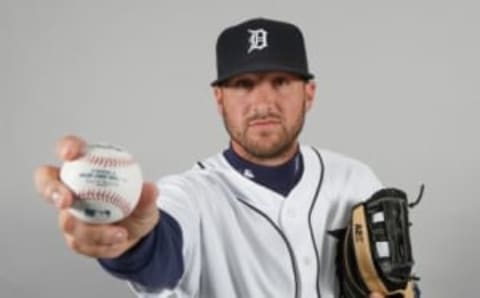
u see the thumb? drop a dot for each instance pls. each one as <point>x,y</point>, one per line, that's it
<point>376,295</point>
<point>147,201</point>
<point>145,215</point>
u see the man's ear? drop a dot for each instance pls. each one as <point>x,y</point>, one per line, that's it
<point>310,88</point>
<point>218,94</point>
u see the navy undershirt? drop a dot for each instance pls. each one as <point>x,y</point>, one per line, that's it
<point>281,179</point>
<point>157,262</point>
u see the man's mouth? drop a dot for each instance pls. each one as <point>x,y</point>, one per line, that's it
<point>264,122</point>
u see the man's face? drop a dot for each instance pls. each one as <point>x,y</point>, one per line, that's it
<point>264,112</point>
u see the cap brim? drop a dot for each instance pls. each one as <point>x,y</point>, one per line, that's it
<point>261,68</point>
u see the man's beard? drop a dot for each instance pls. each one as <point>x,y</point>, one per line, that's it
<point>257,147</point>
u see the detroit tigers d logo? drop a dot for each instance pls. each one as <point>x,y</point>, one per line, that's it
<point>257,40</point>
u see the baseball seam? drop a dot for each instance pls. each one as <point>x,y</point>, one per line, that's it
<point>106,197</point>
<point>109,162</point>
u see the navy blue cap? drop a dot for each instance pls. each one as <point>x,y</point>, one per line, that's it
<point>260,45</point>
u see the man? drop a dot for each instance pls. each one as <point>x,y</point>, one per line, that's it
<point>251,221</point>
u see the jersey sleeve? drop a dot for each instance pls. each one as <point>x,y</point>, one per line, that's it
<point>178,196</point>
<point>168,255</point>
<point>362,183</point>
<point>348,180</point>
<point>156,262</point>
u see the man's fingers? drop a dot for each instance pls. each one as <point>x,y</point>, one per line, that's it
<point>376,295</point>
<point>97,241</point>
<point>70,147</point>
<point>95,251</point>
<point>43,175</point>
<point>91,234</point>
<point>46,179</point>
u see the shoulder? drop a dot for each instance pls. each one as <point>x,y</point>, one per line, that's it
<point>204,173</point>
<point>334,161</point>
<point>343,174</point>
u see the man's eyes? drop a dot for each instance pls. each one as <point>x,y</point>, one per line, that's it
<point>243,84</point>
<point>281,81</point>
<point>248,84</point>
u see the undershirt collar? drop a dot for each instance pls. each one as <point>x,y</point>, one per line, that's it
<point>281,179</point>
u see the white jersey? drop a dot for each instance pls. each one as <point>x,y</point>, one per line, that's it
<point>241,239</point>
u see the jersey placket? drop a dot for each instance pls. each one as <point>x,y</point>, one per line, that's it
<point>294,221</point>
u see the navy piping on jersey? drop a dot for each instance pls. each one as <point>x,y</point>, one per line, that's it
<point>310,212</point>
<point>285,240</point>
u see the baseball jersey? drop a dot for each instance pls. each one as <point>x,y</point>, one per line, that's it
<point>241,239</point>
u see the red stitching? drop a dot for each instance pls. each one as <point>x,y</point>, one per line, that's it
<point>106,196</point>
<point>109,162</point>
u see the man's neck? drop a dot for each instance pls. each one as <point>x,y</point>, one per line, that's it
<point>265,161</point>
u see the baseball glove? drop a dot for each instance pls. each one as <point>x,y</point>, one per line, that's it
<point>374,251</point>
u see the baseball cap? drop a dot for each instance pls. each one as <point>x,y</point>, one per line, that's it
<point>259,45</point>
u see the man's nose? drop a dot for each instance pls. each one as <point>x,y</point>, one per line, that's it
<point>264,93</point>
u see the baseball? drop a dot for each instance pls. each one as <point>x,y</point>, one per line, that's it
<point>106,181</point>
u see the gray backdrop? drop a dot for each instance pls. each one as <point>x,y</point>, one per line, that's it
<point>396,89</point>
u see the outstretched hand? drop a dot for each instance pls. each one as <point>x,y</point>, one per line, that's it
<point>94,240</point>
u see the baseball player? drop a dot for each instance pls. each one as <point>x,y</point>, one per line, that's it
<point>250,221</point>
